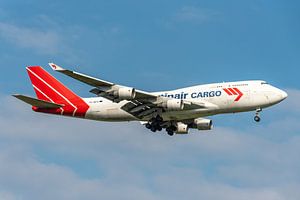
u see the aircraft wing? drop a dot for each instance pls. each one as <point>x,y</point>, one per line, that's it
<point>102,88</point>
<point>140,103</point>
<point>143,109</point>
<point>81,77</point>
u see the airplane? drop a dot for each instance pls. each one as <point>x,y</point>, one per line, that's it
<point>176,111</point>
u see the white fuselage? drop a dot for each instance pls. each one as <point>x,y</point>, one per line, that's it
<point>227,97</point>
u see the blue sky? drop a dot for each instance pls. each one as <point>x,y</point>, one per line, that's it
<point>151,45</point>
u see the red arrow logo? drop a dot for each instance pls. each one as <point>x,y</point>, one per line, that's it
<point>234,91</point>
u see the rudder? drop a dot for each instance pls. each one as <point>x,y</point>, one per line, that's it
<point>48,88</point>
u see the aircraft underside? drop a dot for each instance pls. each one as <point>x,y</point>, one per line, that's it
<point>173,121</point>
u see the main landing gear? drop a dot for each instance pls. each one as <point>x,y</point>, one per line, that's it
<point>257,118</point>
<point>157,124</point>
<point>170,130</point>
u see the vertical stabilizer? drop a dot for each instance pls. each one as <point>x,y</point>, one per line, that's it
<point>48,88</point>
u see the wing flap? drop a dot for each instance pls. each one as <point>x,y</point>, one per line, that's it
<point>37,102</point>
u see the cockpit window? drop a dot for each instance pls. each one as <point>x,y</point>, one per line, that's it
<point>264,83</point>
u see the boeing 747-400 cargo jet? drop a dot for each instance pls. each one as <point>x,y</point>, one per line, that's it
<point>176,111</point>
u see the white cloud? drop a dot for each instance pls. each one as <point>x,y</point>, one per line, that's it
<point>191,15</point>
<point>195,15</point>
<point>43,41</point>
<point>4,195</point>
<point>224,163</point>
<point>28,178</point>
<point>45,36</point>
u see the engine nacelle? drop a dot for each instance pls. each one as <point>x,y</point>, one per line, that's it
<point>203,124</point>
<point>181,128</point>
<point>125,93</point>
<point>174,104</point>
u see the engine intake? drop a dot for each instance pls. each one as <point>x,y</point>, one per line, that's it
<point>203,124</point>
<point>174,104</point>
<point>181,128</point>
<point>125,93</point>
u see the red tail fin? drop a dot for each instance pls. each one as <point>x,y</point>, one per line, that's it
<point>50,89</point>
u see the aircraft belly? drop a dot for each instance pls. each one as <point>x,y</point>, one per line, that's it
<point>187,114</point>
<point>109,114</point>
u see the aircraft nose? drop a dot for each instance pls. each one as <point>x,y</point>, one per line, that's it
<point>278,95</point>
<point>283,94</point>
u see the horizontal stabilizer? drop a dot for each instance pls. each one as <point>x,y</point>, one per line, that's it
<point>37,102</point>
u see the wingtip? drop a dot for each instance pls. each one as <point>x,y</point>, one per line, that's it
<point>55,67</point>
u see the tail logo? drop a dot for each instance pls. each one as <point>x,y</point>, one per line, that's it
<point>235,92</point>
<point>48,88</point>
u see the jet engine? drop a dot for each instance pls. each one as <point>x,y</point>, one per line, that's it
<point>181,128</point>
<point>173,104</point>
<point>125,93</point>
<point>203,124</point>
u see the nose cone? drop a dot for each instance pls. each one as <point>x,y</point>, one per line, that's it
<point>277,95</point>
<point>283,94</point>
<point>280,95</point>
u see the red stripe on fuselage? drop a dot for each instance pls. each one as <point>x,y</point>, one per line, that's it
<point>227,91</point>
<point>232,91</point>
<point>239,93</point>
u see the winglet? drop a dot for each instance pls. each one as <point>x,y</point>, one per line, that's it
<point>56,67</point>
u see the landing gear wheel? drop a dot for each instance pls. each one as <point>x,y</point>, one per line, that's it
<point>257,118</point>
<point>159,128</point>
<point>153,129</point>
<point>170,133</point>
<point>148,126</point>
<point>170,130</point>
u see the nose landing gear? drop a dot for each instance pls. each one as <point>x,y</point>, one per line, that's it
<point>257,117</point>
